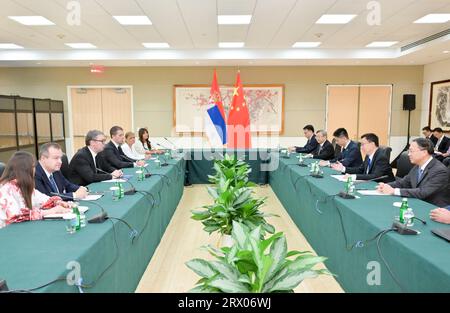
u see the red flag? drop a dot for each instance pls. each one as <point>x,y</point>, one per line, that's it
<point>238,122</point>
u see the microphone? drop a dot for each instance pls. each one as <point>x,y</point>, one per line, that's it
<point>165,138</point>
<point>345,195</point>
<point>3,285</point>
<point>102,171</point>
<point>127,158</point>
<point>132,191</point>
<point>162,146</point>
<point>103,216</point>
<point>402,229</point>
<point>99,218</point>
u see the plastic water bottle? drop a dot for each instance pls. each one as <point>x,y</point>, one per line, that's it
<point>82,220</point>
<point>350,187</point>
<point>403,209</point>
<point>300,159</point>
<point>408,216</point>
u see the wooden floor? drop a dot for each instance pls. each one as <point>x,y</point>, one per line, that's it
<point>183,238</point>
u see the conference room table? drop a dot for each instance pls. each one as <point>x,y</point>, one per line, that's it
<point>333,225</point>
<point>33,254</point>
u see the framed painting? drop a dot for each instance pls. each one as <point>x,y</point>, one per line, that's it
<point>265,103</point>
<point>440,105</point>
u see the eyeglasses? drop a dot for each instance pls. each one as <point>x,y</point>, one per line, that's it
<point>102,141</point>
<point>410,151</point>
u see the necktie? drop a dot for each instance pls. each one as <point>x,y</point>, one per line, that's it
<point>419,174</point>
<point>53,183</point>
<point>369,163</point>
<point>320,149</point>
<point>120,150</point>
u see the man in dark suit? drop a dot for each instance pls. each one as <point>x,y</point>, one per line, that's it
<point>85,164</point>
<point>442,145</point>
<point>350,155</point>
<point>311,144</point>
<point>113,154</point>
<point>428,133</point>
<point>376,164</point>
<point>324,150</point>
<point>428,180</point>
<point>48,177</point>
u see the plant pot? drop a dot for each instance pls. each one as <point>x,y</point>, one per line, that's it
<point>226,241</point>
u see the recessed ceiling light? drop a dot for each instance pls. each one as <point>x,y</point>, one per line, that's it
<point>231,44</point>
<point>133,19</point>
<point>381,44</point>
<point>446,51</point>
<point>31,20</point>
<point>335,18</point>
<point>233,19</point>
<point>10,46</point>
<point>306,44</point>
<point>156,45</point>
<point>433,19</point>
<point>81,45</point>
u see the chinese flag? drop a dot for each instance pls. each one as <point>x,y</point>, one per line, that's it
<point>238,122</point>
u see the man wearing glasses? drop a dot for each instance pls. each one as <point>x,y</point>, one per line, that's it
<point>85,165</point>
<point>428,180</point>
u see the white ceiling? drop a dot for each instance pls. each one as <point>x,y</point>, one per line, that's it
<point>190,27</point>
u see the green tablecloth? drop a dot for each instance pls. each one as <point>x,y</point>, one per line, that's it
<point>35,253</point>
<point>420,263</point>
<point>200,164</point>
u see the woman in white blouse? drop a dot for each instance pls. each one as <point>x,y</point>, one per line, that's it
<point>128,147</point>
<point>19,201</point>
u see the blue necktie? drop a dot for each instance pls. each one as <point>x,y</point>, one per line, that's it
<point>368,166</point>
<point>419,174</point>
<point>53,183</point>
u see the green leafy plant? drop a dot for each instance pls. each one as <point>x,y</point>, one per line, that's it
<point>254,265</point>
<point>231,168</point>
<point>232,203</point>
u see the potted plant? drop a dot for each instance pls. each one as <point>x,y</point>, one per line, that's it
<point>255,265</point>
<point>230,167</point>
<point>232,204</point>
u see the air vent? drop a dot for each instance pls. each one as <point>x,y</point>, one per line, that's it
<point>81,90</point>
<point>425,40</point>
<point>120,90</point>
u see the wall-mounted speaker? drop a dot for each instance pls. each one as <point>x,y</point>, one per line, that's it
<point>409,102</point>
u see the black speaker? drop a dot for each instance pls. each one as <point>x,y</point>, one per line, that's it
<point>409,102</point>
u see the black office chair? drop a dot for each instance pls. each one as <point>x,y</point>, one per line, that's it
<point>65,166</point>
<point>386,151</point>
<point>2,168</point>
<point>403,165</point>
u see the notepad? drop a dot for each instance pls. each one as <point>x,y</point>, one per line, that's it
<point>342,179</point>
<point>92,197</point>
<point>371,193</point>
<point>115,180</point>
<point>60,216</point>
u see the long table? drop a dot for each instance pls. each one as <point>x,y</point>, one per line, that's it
<point>332,225</point>
<point>200,163</point>
<point>35,253</point>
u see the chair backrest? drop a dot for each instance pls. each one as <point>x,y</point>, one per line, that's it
<point>2,168</point>
<point>403,164</point>
<point>65,166</point>
<point>386,151</point>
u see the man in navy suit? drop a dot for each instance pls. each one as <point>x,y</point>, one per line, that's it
<point>350,155</point>
<point>311,144</point>
<point>48,177</point>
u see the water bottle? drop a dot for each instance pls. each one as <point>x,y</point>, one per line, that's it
<point>403,209</point>
<point>300,159</point>
<point>76,211</point>
<point>82,220</point>
<point>350,188</point>
<point>408,216</point>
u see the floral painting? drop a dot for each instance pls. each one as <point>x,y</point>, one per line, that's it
<point>440,105</point>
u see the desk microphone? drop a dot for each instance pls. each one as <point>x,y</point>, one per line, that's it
<point>128,159</point>
<point>99,218</point>
<point>165,138</point>
<point>345,195</point>
<point>402,229</point>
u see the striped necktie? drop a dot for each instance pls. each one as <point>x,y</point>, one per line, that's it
<point>53,183</point>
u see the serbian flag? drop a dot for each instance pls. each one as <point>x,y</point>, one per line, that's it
<point>214,120</point>
<point>238,124</point>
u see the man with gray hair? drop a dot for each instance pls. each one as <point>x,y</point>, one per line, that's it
<point>86,167</point>
<point>48,177</point>
<point>324,149</point>
<point>428,180</point>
